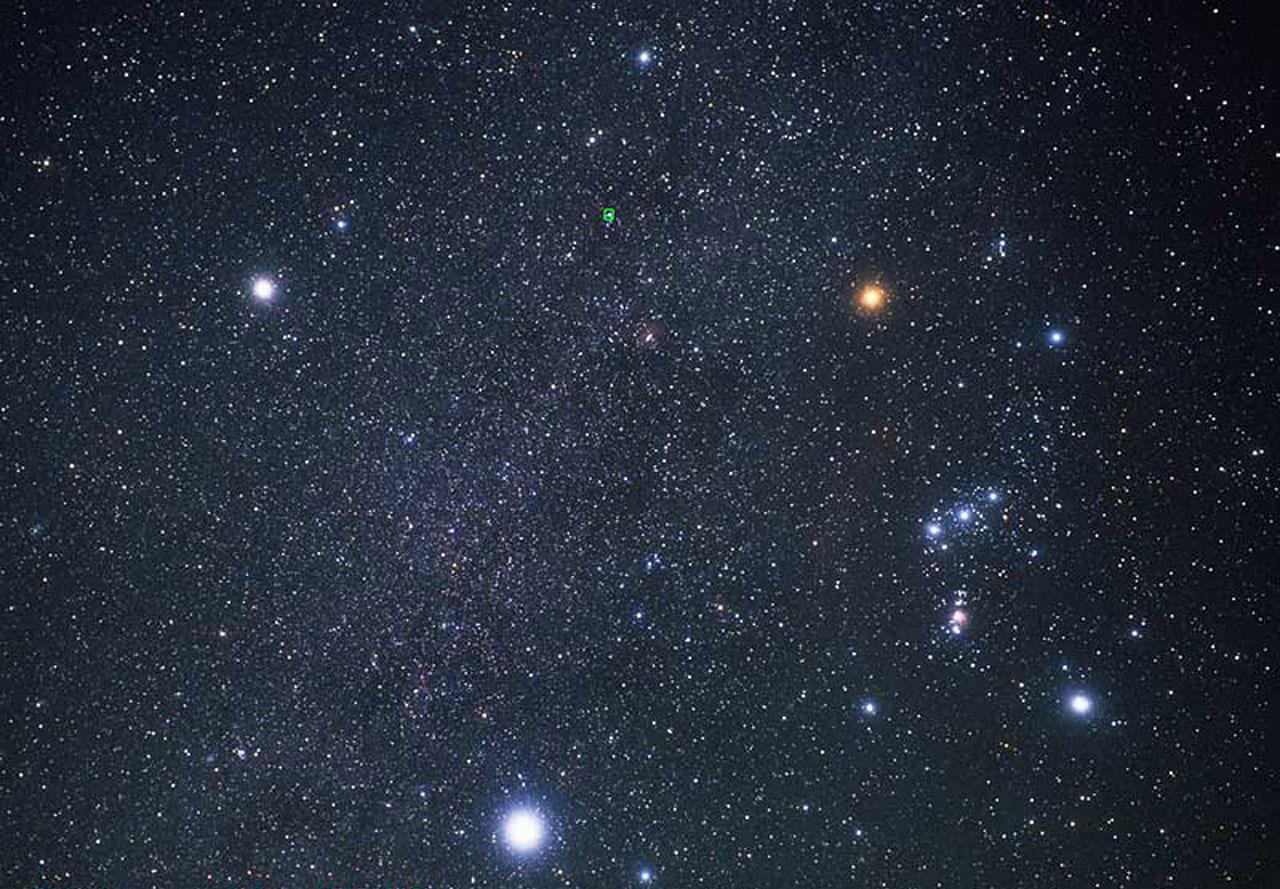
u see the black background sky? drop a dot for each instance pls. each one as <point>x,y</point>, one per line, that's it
<point>642,526</point>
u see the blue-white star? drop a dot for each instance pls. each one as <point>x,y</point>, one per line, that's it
<point>1080,704</point>
<point>524,831</point>
<point>264,289</point>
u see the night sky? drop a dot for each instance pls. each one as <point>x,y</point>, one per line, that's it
<point>882,494</point>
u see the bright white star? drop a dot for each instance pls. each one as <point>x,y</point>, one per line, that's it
<point>263,288</point>
<point>933,529</point>
<point>1080,704</point>
<point>523,831</point>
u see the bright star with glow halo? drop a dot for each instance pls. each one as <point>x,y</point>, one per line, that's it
<point>871,299</point>
<point>523,831</point>
<point>1080,704</point>
<point>263,288</point>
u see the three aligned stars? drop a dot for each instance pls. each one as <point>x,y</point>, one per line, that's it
<point>966,517</point>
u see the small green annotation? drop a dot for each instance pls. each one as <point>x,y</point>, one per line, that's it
<point>607,214</point>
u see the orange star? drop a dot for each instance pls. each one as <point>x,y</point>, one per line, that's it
<point>872,299</point>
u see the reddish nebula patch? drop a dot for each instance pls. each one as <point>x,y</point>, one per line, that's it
<point>649,335</point>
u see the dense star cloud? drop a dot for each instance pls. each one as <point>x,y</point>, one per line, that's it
<point>684,444</point>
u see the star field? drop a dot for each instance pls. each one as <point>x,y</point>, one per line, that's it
<point>880,495</point>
